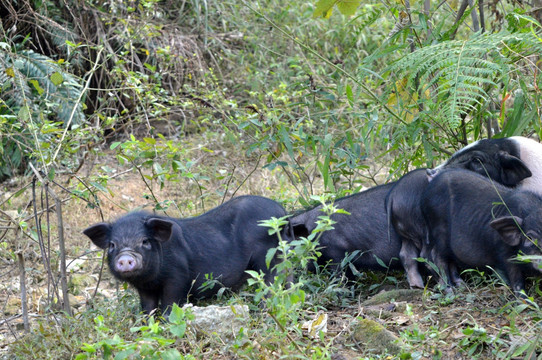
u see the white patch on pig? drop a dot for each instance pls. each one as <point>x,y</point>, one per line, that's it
<point>530,152</point>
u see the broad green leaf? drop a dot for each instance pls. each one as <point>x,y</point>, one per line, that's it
<point>348,7</point>
<point>57,78</point>
<point>150,140</point>
<point>171,354</point>
<point>269,256</point>
<point>178,330</point>
<point>324,8</point>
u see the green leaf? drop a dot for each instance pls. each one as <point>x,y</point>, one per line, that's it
<point>88,348</point>
<point>253,273</point>
<point>348,7</point>
<point>269,256</point>
<point>10,72</point>
<point>323,8</point>
<point>178,330</point>
<point>57,78</point>
<point>150,140</point>
<point>349,94</point>
<point>380,262</point>
<point>171,354</point>
<point>37,86</point>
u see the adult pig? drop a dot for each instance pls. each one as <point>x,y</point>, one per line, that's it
<point>474,222</point>
<point>513,161</point>
<point>166,259</point>
<point>365,230</point>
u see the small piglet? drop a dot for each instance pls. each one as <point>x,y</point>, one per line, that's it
<point>166,259</point>
<point>473,222</point>
<point>405,215</point>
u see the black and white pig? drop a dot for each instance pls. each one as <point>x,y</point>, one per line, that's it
<point>513,161</point>
<point>365,230</point>
<point>474,222</point>
<point>166,259</point>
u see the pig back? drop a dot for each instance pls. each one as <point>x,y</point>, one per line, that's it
<point>365,230</point>
<point>228,239</point>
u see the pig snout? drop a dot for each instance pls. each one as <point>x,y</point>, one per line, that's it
<point>127,263</point>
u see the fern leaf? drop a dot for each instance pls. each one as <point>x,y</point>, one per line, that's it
<point>460,74</point>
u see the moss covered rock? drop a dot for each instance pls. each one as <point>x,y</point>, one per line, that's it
<point>376,338</point>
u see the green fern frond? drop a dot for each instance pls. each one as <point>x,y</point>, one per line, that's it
<point>29,67</point>
<point>459,74</point>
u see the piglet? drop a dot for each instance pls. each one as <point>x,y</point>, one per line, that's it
<point>474,222</point>
<point>167,259</point>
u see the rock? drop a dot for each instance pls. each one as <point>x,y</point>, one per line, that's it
<point>395,296</point>
<point>13,306</point>
<point>380,311</point>
<point>75,265</point>
<point>224,321</point>
<point>78,282</point>
<point>376,338</point>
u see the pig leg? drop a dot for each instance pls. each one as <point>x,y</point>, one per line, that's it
<point>516,279</point>
<point>149,300</point>
<point>408,254</point>
<point>443,266</point>
<point>173,292</point>
<point>455,279</point>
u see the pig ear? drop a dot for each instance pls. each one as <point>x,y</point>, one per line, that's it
<point>513,170</point>
<point>161,228</point>
<point>99,234</point>
<point>508,228</point>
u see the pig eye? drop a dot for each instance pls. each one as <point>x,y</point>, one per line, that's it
<point>533,236</point>
<point>476,162</point>
<point>146,244</point>
<point>111,246</point>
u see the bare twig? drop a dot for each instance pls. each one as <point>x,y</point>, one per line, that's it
<point>228,184</point>
<point>249,175</point>
<point>24,305</point>
<point>474,16</point>
<point>61,245</point>
<point>67,127</point>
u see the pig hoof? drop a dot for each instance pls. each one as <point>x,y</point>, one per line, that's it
<point>459,283</point>
<point>417,286</point>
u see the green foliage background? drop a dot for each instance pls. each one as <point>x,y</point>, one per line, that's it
<point>313,92</point>
<point>311,89</point>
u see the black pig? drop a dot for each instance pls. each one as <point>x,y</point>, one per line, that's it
<point>166,259</point>
<point>365,230</point>
<point>474,222</point>
<point>405,215</point>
